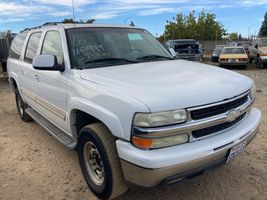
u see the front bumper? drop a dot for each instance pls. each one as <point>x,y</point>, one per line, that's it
<point>233,63</point>
<point>190,57</point>
<point>263,59</point>
<point>148,169</point>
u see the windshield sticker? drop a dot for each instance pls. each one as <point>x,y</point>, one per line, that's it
<point>135,36</point>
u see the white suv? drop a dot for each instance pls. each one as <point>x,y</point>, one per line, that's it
<point>136,116</point>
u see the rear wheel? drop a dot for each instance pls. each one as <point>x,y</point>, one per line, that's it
<point>21,107</point>
<point>259,64</point>
<point>99,162</point>
<point>250,60</point>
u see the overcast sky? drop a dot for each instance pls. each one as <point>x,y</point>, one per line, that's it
<point>240,16</point>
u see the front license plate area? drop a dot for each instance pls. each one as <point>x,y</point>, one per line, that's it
<point>236,151</point>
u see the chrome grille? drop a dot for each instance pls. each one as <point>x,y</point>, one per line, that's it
<point>217,128</point>
<point>217,109</point>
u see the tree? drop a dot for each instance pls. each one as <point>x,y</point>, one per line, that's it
<point>71,21</point>
<point>263,29</point>
<point>204,27</point>
<point>233,36</point>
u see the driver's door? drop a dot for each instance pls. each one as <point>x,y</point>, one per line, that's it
<point>51,87</point>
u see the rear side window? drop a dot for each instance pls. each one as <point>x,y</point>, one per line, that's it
<point>52,46</point>
<point>16,46</point>
<point>32,47</point>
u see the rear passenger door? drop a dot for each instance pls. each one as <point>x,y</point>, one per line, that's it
<point>29,80</point>
<point>51,88</point>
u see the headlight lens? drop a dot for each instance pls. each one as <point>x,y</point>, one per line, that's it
<point>252,93</point>
<point>155,143</point>
<point>160,118</point>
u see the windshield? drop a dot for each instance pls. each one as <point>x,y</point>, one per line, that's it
<point>100,47</point>
<point>263,43</point>
<point>218,49</point>
<point>233,51</point>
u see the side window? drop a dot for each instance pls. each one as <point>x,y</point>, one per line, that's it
<point>16,46</point>
<point>52,46</point>
<point>32,46</point>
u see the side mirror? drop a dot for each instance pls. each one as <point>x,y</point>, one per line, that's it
<point>256,46</point>
<point>173,53</point>
<point>47,62</point>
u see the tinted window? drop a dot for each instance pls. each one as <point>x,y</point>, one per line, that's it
<point>32,47</point>
<point>52,46</point>
<point>16,46</point>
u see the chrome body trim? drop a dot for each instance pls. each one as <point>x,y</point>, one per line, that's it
<point>52,108</point>
<point>28,93</point>
<point>192,125</point>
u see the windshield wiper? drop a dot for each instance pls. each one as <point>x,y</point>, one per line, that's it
<point>153,57</point>
<point>100,60</point>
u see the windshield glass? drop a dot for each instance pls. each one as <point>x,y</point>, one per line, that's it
<point>218,49</point>
<point>99,47</point>
<point>233,51</point>
<point>263,43</point>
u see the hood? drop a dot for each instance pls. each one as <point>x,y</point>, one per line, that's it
<point>168,85</point>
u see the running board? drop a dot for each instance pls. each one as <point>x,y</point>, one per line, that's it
<point>59,134</point>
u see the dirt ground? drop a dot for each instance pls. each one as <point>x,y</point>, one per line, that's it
<point>34,166</point>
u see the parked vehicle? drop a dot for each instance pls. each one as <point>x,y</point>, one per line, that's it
<point>246,45</point>
<point>5,41</point>
<point>187,49</point>
<point>137,117</point>
<point>233,56</point>
<point>216,53</point>
<point>258,52</point>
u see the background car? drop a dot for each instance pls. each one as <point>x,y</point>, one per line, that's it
<point>187,49</point>
<point>233,56</point>
<point>217,52</point>
<point>246,45</point>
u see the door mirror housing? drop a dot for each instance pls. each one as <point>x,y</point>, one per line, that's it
<point>47,62</point>
<point>173,53</point>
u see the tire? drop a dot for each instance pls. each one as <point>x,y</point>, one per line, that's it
<point>21,107</point>
<point>250,60</point>
<point>108,182</point>
<point>259,64</point>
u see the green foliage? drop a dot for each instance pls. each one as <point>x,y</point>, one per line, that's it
<point>204,27</point>
<point>233,36</point>
<point>263,29</point>
<point>67,21</point>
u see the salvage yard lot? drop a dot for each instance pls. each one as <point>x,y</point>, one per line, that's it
<point>33,165</point>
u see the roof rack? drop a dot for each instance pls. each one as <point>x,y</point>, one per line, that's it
<point>50,24</point>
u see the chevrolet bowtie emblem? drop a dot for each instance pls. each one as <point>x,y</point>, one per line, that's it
<point>232,115</point>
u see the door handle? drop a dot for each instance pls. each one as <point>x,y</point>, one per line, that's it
<point>36,77</point>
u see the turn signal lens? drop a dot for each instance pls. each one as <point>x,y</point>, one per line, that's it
<point>161,142</point>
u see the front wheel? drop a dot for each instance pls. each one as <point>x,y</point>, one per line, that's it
<point>99,161</point>
<point>21,107</point>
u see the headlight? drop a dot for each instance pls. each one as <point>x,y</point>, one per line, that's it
<point>160,118</point>
<point>252,93</point>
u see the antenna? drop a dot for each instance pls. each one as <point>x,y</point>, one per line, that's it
<point>73,11</point>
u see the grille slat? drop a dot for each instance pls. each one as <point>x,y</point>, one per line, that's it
<point>218,109</point>
<point>213,129</point>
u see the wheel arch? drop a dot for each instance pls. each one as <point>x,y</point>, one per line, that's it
<point>83,113</point>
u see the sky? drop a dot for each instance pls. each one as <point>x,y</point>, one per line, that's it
<point>242,16</point>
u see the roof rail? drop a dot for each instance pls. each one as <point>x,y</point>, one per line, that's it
<point>52,23</point>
